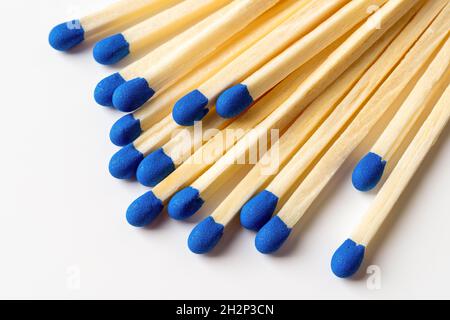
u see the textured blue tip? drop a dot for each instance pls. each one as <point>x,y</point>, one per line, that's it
<point>111,50</point>
<point>104,91</point>
<point>66,35</point>
<point>368,172</point>
<point>132,94</point>
<point>124,163</point>
<point>232,102</point>
<point>258,211</point>
<point>205,236</point>
<point>185,204</point>
<point>347,259</point>
<point>192,107</point>
<point>154,168</point>
<point>144,210</point>
<point>272,236</point>
<point>125,130</point>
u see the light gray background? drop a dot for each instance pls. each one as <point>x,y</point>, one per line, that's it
<point>62,227</point>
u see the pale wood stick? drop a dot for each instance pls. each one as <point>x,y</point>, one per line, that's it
<point>404,171</point>
<point>155,137</point>
<point>376,107</point>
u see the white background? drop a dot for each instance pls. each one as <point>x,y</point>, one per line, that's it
<point>62,215</point>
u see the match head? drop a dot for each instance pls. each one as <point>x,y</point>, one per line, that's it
<point>144,210</point>
<point>234,101</point>
<point>124,163</point>
<point>368,172</point>
<point>192,107</point>
<point>205,236</point>
<point>111,49</point>
<point>256,212</point>
<point>185,204</point>
<point>66,36</point>
<point>125,130</point>
<point>347,259</point>
<point>154,168</point>
<point>132,94</point>
<point>104,91</point>
<point>272,236</point>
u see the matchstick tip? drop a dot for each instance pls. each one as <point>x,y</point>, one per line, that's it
<point>272,236</point>
<point>132,94</point>
<point>234,101</point>
<point>258,210</point>
<point>111,49</point>
<point>368,172</point>
<point>66,36</point>
<point>205,236</point>
<point>190,108</point>
<point>154,168</point>
<point>124,163</point>
<point>144,210</point>
<point>185,204</point>
<point>125,130</point>
<point>347,259</point>
<point>105,89</point>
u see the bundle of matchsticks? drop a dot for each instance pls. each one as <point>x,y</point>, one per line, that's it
<point>319,73</point>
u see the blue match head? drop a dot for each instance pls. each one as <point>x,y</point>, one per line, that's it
<point>104,91</point>
<point>368,172</point>
<point>111,49</point>
<point>192,107</point>
<point>272,236</point>
<point>185,204</point>
<point>347,259</point>
<point>132,94</point>
<point>66,36</point>
<point>125,130</point>
<point>205,236</point>
<point>144,210</point>
<point>124,163</point>
<point>232,102</point>
<point>256,212</point>
<point>154,168</point>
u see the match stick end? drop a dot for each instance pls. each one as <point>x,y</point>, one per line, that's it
<point>132,94</point>
<point>144,210</point>
<point>125,130</point>
<point>234,101</point>
<point>66,36</point>
<point>205,236</point>
<point>258,211</point>
<point>105,89</point>
<point>111,49</point>
<point>185,204</point>
<point>124,163</point>
<point>154,168</point>
<point>347,259</point>
<point>192,107</point>
<point>272,236</point>
<point>368,172</point>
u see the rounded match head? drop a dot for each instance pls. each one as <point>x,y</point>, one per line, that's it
<point>205,236</point>
<point>232,102</point>
<point>258,211</point>
<point>124,163</point>
<point>111,49</point>
<point>154,168</point>
<point>144,210</point>
<point>185,204</point>
<point>347,259</point>
<point>368,172</point>
<point>66,36</point>
<point>272,236</point>
<point>132,94</point>
<point>125,130</point>
<point>192,107</point>
<point>104,90</point>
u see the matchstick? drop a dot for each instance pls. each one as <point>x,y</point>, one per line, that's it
<point>370,169</point>
<point>274,233</point>
<point>349,256</point>
<point>239,97</point>
<point>178,62</point>
<point>68,35</point>
<point>196,104</point>
<point>154,30</point>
